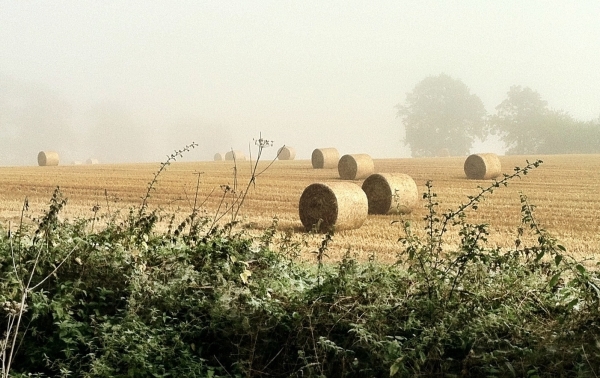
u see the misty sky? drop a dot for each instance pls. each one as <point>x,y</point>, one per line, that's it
<point>133,80</point>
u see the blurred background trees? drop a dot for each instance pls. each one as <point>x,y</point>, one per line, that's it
<point>441,114</point>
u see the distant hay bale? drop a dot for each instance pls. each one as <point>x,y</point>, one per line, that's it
<point>92,161</point>
<point>356,166</point>
<point>390,193</point>
<point>334,205</point>
<point>286,153</point>
<point>76,162</point>
<point>443,152</point>
<point>482,166</point>
<point>235,155</point>
<point>219,157</point>
<point>47,158</point>
<point>325,158</point>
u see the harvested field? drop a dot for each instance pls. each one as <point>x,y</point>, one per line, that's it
<point>564,190</point>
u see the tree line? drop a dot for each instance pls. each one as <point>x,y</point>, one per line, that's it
<point>441,114</point>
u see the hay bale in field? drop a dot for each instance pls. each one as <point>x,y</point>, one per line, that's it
<point>286,153</point>
<point>235,155</point>
<point>325,158</point>
<point>92,161</point>
<point>389,193</point>
<point>47,158</point>
<point>482,166</point>
<point>443,152</point>
<point>219,157</point>
<point>334,205</point>
<point>356,166</point>
<point>76,162</point>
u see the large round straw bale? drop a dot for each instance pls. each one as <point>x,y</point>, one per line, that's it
<point>356,166</point>
<point>389,193</point>
<point>482,166</point>
<point>325,158</point>
<point>333,206</point>
<point>235,155</point>
<point>286,153</point>
<point>92,161</point>
<point>219,156</point>
<point>47,158</point>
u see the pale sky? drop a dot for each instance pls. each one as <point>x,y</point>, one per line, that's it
<point>309,74</point>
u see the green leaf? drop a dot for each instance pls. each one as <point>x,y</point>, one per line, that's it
<point>572,304</point>
<point>558,259</point>
<point>580,268</point>
<point>395,366</point>
<point>245,275</point>
<point>510,367</point>
<point>554,280</point>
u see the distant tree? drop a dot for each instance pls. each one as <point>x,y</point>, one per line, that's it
<point>441,114</point>
<point>521,120</point>
<point>562,134</point>
<point>527,126</point>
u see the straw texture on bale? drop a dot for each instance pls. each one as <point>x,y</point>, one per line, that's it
<point>235,155</point>
<point>286,153</point>
<point>325,158</point>
<point>47,158</point>
<point>482,166</point>
<point>390,193</point>
<point>354,167</point>
<point>92,161</point>
<point>219,156</point>
<point>333,206</point>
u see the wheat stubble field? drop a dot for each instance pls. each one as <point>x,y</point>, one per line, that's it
<point>564,190</point>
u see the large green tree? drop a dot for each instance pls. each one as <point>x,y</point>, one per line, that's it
<point>521,120</point>
<point>441,114</point>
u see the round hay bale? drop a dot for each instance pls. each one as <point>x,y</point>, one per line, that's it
<point>47,158</point>
<point>235,155</point>
<point>333,206</point>
<point>219,157</point>
<point>286,153</point>
<point>482,166</point>
<point>76,162</point>
<point>390,193</point>
<point>354,167</point>
<point>325,158</point>
<point>92,161</point>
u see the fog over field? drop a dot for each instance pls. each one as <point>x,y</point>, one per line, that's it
<point>130,81</point>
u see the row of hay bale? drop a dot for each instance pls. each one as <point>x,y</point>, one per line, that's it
<point>284,153</point>
<point>230,155</point>
<point>350,166</point>
<point>51,159</point>
<point>345,205</point>
<point>481,166</point>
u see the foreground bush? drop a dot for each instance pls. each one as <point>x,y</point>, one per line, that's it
<point>202,300</point>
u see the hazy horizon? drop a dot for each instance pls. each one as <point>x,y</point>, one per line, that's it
<point>132,81</point>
